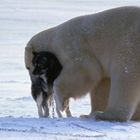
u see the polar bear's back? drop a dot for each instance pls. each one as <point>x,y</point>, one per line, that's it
<point>104,29</point>
<point>101,33</point>
<point>117,19</point>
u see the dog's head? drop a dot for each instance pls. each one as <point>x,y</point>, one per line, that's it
<point>46,64</point>
<point>40,62</point>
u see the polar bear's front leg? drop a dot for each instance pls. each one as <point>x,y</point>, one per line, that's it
<point>73,82</point>
<point>99,98</point>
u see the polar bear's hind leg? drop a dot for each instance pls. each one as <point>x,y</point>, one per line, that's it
<point>123,99</point>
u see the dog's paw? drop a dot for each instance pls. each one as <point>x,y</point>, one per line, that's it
<point>90,116</point>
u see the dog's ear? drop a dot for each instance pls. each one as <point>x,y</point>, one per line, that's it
<point>52,63</point>
<point>34,53</point>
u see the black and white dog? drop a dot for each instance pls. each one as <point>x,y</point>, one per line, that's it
<point>46,69</point>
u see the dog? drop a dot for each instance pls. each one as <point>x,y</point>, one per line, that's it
<point>42,98</point>
<point>46,69</point>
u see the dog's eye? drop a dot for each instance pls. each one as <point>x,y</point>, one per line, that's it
<point>37,65</point>
<point>44,59</point>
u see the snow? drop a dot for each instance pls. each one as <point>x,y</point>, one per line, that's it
<point>70,128</point>
<point>19,21</point>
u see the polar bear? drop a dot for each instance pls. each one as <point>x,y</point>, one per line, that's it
<point>100,54</point>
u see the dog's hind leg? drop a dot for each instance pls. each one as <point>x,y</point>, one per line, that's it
<point>59,113</point>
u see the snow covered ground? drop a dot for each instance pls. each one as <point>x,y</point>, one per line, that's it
<point>19,21</point>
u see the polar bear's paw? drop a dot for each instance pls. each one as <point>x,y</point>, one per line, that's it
<point>84,116</point>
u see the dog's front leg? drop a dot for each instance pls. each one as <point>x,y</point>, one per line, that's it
<point>39,101</point>
<point>37,93</point>
<point>46,108</point>
<point>68,112</point>
<point>67,109</point>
